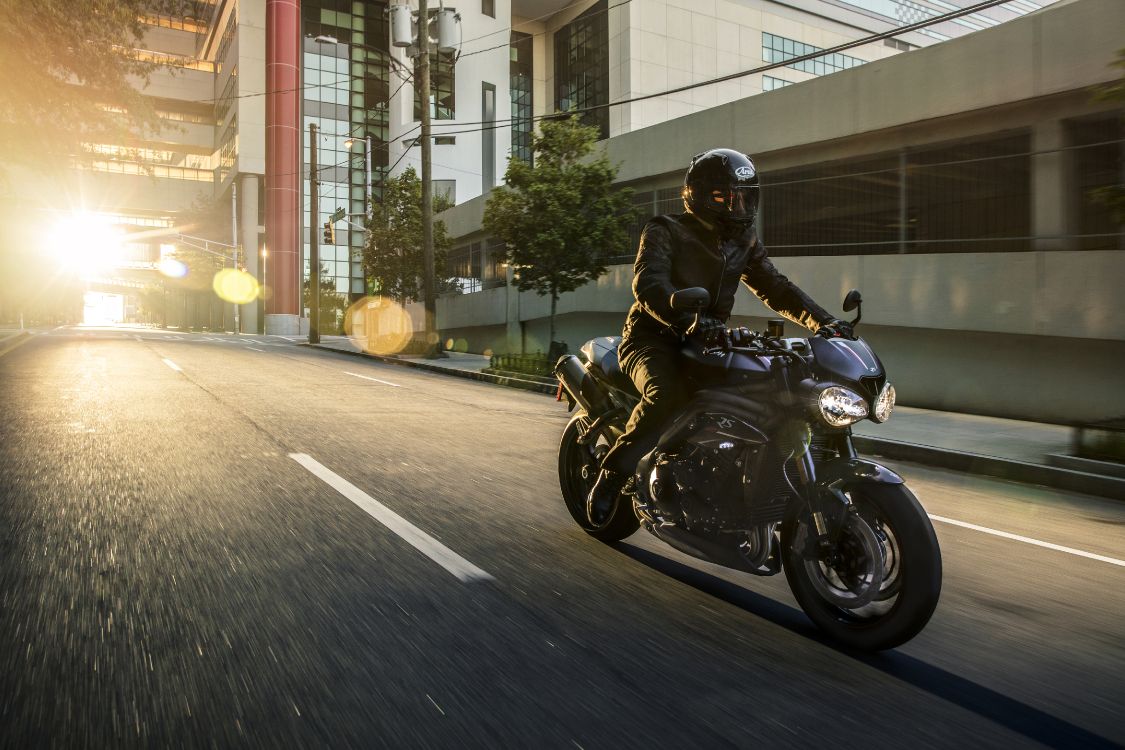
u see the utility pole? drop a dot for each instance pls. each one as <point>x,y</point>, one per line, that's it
<point>428,291</point>
<point>314,250</point>
<point>234,242</point>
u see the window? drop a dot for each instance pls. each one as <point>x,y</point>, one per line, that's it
<point>445,140</point>
<point>582,66</point>
<point>1096,171</point>
<point>899,45</point>
<point>970,197</point>
<point>463,268</point>
<point>444,191</point>
<point>442,87</point>
<point>488,8</point>
<point>488,137</point>
<point>519,83</point>
<point>769,83</point>
<point>963,197</point>
<point>779,49</point>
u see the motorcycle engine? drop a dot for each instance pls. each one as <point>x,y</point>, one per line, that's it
<point>701,489</point>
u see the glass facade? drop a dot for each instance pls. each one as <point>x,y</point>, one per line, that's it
<point>769,83</point>
<point>443,87</point>
<point>777,49</point>
<point>345,86</point>
<point>520,86</point>
<point>582,66</point>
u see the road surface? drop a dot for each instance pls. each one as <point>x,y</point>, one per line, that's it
<point>238,541</point>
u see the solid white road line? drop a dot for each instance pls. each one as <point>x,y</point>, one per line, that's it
<point>172,364</point>
<point>1029,540</point>
<point>461,568</point>
<point>251,348</point>
<point>365,377</point>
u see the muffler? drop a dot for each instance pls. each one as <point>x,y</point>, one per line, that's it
<point>580,384</point>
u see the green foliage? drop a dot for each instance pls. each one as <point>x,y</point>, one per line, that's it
<point>392,256</point>
<point>66,75</point>
<point>562,219</point>
<point>333,305</point>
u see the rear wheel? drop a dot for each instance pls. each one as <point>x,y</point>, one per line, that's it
<point>578,468</point>
<point>879,584</point>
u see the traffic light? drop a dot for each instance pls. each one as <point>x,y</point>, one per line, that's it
<point>329,233</point>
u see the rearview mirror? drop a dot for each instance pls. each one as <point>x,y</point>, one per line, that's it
<point>853,300</point>
<point>693,299</point>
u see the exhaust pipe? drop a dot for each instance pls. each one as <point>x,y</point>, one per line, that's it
<point>580,385</point>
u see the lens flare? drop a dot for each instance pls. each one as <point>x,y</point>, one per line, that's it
<point>235,286</point>
<point>379,325</point>
<point>172,268</point>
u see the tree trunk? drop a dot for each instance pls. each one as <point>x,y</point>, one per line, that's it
<point>554,306</point>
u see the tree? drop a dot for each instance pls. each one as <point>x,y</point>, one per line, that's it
<point>392,255</point>
<point>562,219</point>
<point>68,74</point>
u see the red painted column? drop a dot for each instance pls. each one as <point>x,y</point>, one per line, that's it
<point>283,162</point>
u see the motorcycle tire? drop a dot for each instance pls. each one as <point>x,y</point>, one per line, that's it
<point>915,564</point>
<point>578,467</point>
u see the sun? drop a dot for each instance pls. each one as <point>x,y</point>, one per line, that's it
<point>85,243</point>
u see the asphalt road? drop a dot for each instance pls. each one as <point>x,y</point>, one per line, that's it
<point>171,577</point>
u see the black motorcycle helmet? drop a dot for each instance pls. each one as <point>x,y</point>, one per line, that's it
<point>721,186</point>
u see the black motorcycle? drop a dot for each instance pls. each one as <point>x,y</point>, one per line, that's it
<point>758,473</point>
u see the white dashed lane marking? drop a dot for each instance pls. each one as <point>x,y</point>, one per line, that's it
<point>1029,540</point>
<point>366,377</point>
<point>172,364</point>
<point>461,568</point>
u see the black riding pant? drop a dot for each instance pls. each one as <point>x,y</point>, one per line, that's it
<point>653,362</point>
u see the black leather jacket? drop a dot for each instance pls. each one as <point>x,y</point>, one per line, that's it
<point>678,252</point>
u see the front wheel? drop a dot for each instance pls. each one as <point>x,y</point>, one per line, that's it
<point>879,583</point>
<point>578,468</point>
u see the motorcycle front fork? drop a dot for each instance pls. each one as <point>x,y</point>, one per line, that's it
<point>827,504</point>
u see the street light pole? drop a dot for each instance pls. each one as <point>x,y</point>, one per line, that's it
<point>234,241</point>
<point>314,250</point>
<point>428,291</point>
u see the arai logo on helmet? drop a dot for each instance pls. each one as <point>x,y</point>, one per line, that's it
<point>744,173</point>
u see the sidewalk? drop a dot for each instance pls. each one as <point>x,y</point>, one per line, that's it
<point>1028,452</point>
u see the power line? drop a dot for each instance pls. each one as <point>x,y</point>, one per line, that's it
<point>497,124</point>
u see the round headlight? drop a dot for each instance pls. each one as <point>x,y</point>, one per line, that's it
<point>840,407</point>
<point>884,404</point>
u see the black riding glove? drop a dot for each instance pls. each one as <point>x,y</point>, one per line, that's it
<point>836,329</point>
<point>709,331</point>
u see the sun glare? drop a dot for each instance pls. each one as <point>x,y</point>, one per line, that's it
<point>103,309</point>
<point>86,243</point>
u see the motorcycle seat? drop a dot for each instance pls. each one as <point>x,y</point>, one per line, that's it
<point>601,353</point>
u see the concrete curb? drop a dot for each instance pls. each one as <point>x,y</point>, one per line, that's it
<point>510,382</point>
<point>991,466</point>
<point>970,463</point>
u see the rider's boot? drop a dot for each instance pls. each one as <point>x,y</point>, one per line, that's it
<point>603,495</point>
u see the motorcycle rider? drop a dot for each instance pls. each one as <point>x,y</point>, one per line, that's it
<point>713,244</point>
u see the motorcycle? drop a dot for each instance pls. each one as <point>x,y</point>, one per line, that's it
<point>758,473</point>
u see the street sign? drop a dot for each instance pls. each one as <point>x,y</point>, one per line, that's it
<point>338,214</point>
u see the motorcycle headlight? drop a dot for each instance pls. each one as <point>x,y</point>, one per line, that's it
<point>884,403</point>
<point>840,407</point>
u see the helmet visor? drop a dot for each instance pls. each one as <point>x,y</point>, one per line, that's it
<point>739,203</point>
